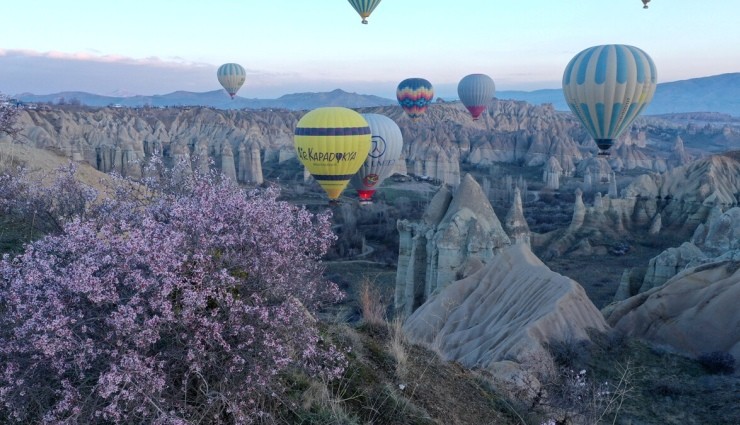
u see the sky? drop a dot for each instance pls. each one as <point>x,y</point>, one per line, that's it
<point>159,46</point>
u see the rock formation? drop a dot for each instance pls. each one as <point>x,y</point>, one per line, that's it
<point>713,180</point>
<point>716,240</point>
<point>515,224</point>
<point>677,201</point>
<point>598,167</point>
<point>436,145</point>
<point>551,173</point>
<point>694,312</point>
<point>458,233</point>
<point>678,157</point>
<point>507,310</point>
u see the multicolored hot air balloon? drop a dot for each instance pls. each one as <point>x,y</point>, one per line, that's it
<point>231,76</point>
<point>414,95</point>
<point>332,143</point>
<point>364,7</point>
<point>476,92</point>
<point>607,87</point>
<point>385,149</point>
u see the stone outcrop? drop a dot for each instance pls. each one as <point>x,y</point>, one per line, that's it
<point>668,264</point>
<point>714,181</point>
<point>551,173</point>
<point>507,310</point>
<point>436,145</point>
<point>458,232</point>
<point>598,167</point>
<point>694,312</point>
<point>678,157</point>
<point>678,201</point>
<point>122,140</point>
<point>515,224</point>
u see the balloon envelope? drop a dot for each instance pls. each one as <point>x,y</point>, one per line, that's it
<point>475,92</point>
<point>364,7</point>
<point>332,143</point>
<point>414,95</point>
<point>607,87</point>
<point>231,76</point>
<point>385,149</point>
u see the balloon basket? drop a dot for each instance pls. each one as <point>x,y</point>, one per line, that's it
<point>604,153</point>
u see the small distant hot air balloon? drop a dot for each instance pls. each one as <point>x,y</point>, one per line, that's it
<point>231,76</point>
<point>332,143</point>
<point>385,149</point>
<point>644,4</point>
<point>364,7</point>
<point>414,95</point>
<point>607,87</point>
<point>476,92</point>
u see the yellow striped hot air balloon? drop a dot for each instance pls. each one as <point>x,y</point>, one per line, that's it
<point>332,143</point>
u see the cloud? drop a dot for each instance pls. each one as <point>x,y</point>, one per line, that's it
<point>27,71</point>
<point>53,71</point>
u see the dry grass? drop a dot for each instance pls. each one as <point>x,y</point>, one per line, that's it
<point>371,304</point>
<point>397,347</point>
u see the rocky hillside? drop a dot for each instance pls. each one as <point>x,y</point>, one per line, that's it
<point>437,145</point>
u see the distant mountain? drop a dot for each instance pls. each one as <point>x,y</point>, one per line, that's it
<point>217,99</point>
<point>719,93</point>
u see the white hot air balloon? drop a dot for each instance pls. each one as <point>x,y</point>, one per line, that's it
<point>476,92</point>
<point>387,143</point>
<point>231,76</point>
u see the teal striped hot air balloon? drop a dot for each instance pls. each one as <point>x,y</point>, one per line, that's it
<point>231,76</point>
<point>364,7</point>
<point>476,92</point>
<point>607,87</point>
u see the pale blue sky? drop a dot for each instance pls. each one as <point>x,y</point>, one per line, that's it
<point>158,46</point>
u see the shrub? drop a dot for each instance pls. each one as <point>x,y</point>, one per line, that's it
<point>570,353</point>
<point>717,362</point>
<point>45,202</point>
<point>170,310</point>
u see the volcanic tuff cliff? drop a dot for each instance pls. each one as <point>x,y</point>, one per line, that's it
<point>674,202</point>
<point>458,233</point>
<point>508,310</point>
<point>436,145</point>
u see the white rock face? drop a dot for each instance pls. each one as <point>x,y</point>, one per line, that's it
<point>507,310</point>
<point>121,140</point>
<point>668,263</point>
<point>716,178</point>
<point>696,311</point>
<point>458,232</point>
<point>552,173</point>
<point>515,223</point>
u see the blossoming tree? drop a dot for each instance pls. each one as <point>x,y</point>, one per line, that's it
<point>167,308</point>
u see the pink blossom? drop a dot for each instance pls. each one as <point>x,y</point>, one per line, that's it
<point>189,302</point>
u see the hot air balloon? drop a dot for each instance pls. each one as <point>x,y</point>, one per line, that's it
<point>364,7</point>
<point>644,4</point>
<point>414,95</point>
<point>385,148</point>
<point>606,87</point>
<point>332,143</point>
<point>475,92</point>
<point>231,76</point>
